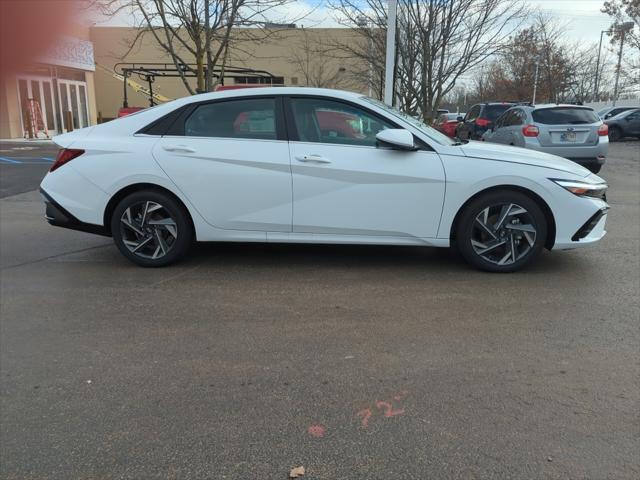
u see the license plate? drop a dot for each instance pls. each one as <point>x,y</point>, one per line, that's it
<point>568,137</point>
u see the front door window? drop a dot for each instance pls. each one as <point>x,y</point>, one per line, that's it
<point>327,121</point>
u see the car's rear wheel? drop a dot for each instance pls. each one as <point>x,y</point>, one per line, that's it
<point>151,228</point>
<point>501,231</point>
<point>615,134</point>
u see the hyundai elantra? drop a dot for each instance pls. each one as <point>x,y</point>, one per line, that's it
<point>303,165</point>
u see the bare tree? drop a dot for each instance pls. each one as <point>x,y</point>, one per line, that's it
<point>565,70</point>
<point>437,42</point>
<point>197,35</point>
<point>622,11</point>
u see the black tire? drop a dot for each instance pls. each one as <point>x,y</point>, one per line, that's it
<point>615,134</point>
<point>171,222</point>
<point>527,246</point>
<point>595,168</point>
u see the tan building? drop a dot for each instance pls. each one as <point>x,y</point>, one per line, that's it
<point>294,56</point>
<point>61,81</point>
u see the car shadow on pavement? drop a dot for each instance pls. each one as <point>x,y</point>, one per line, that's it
<point>366,256</point>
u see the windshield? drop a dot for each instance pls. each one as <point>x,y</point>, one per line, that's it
<point>432,133</point>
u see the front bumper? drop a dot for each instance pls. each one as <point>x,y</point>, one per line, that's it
<point>588,233</point>
<point>57,215</point>
<point>595,225</point>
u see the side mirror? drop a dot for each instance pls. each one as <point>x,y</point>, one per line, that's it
<point>397,138</point>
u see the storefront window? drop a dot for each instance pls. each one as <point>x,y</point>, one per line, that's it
<point>48,105</point>
<point>74,106</point>
<point>83,106</point>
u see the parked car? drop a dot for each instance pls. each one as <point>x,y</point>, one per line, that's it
<point>189,170</point>
<point>479,119</point>
<point>448,122</point>
<point>625,124</point>
<point>124,111</point>
<point>609,112</point>
<point>570,131</point>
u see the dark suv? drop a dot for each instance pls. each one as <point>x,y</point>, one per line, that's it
<point>625,124</point>
<point>480,118</point>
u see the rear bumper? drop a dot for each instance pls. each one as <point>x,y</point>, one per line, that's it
<point>58,216</point>
<point>591,155</point>
<point>588,162</point>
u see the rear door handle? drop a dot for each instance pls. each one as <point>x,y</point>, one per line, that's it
<point>179,148</point>
<point>312,159</point>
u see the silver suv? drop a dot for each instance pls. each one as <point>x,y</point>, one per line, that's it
<point>569,131</point>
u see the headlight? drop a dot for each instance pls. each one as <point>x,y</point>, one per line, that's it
<point>595,190</point>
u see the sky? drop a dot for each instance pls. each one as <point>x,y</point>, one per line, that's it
<point>582,18</point>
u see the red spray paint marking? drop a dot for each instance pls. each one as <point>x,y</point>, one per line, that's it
<point>366,415</point>
<point>317,431</point>
<point>386,407</point>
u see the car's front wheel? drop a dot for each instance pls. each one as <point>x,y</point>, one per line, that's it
<point>151,228</point>
<point>501,231</point>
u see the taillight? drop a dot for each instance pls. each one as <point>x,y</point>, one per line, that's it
<point>482,122</point>
<point>603,130</point>
<point>530,131</point>
<point>65,155</point>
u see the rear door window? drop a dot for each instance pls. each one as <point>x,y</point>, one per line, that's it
<point>635,116</point>
<point>253,118</point>
<point>564,116</point>
<point>518,117</point>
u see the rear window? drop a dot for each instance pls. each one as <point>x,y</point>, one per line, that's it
<point>243,118</point>
<point>491,112</point>
<point>564,116</point>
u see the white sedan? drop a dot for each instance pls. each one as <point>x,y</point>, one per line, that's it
<point>304,165</point>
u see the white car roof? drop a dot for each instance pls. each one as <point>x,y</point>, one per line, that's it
<point>251,92</point>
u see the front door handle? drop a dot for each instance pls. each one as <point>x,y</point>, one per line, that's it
<point>179,148</point>
<point>312,159</point>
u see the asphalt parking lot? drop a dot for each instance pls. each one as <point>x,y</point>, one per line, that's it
<point>355,362</point>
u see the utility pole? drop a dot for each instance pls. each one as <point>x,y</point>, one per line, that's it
<point>390,61</point>
<point>535,82</point>
<point>626,26</point>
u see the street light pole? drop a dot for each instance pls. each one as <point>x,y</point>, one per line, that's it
<point>535,82</point>
<point>624,28</point>
<point>596,93</point>
<point>390,60</point>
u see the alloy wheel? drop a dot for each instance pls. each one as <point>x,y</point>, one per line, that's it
<point>148,230</point>
<point>503,233</point>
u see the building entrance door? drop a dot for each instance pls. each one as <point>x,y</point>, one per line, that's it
<point>73,98</point>
<point>39,89</point>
